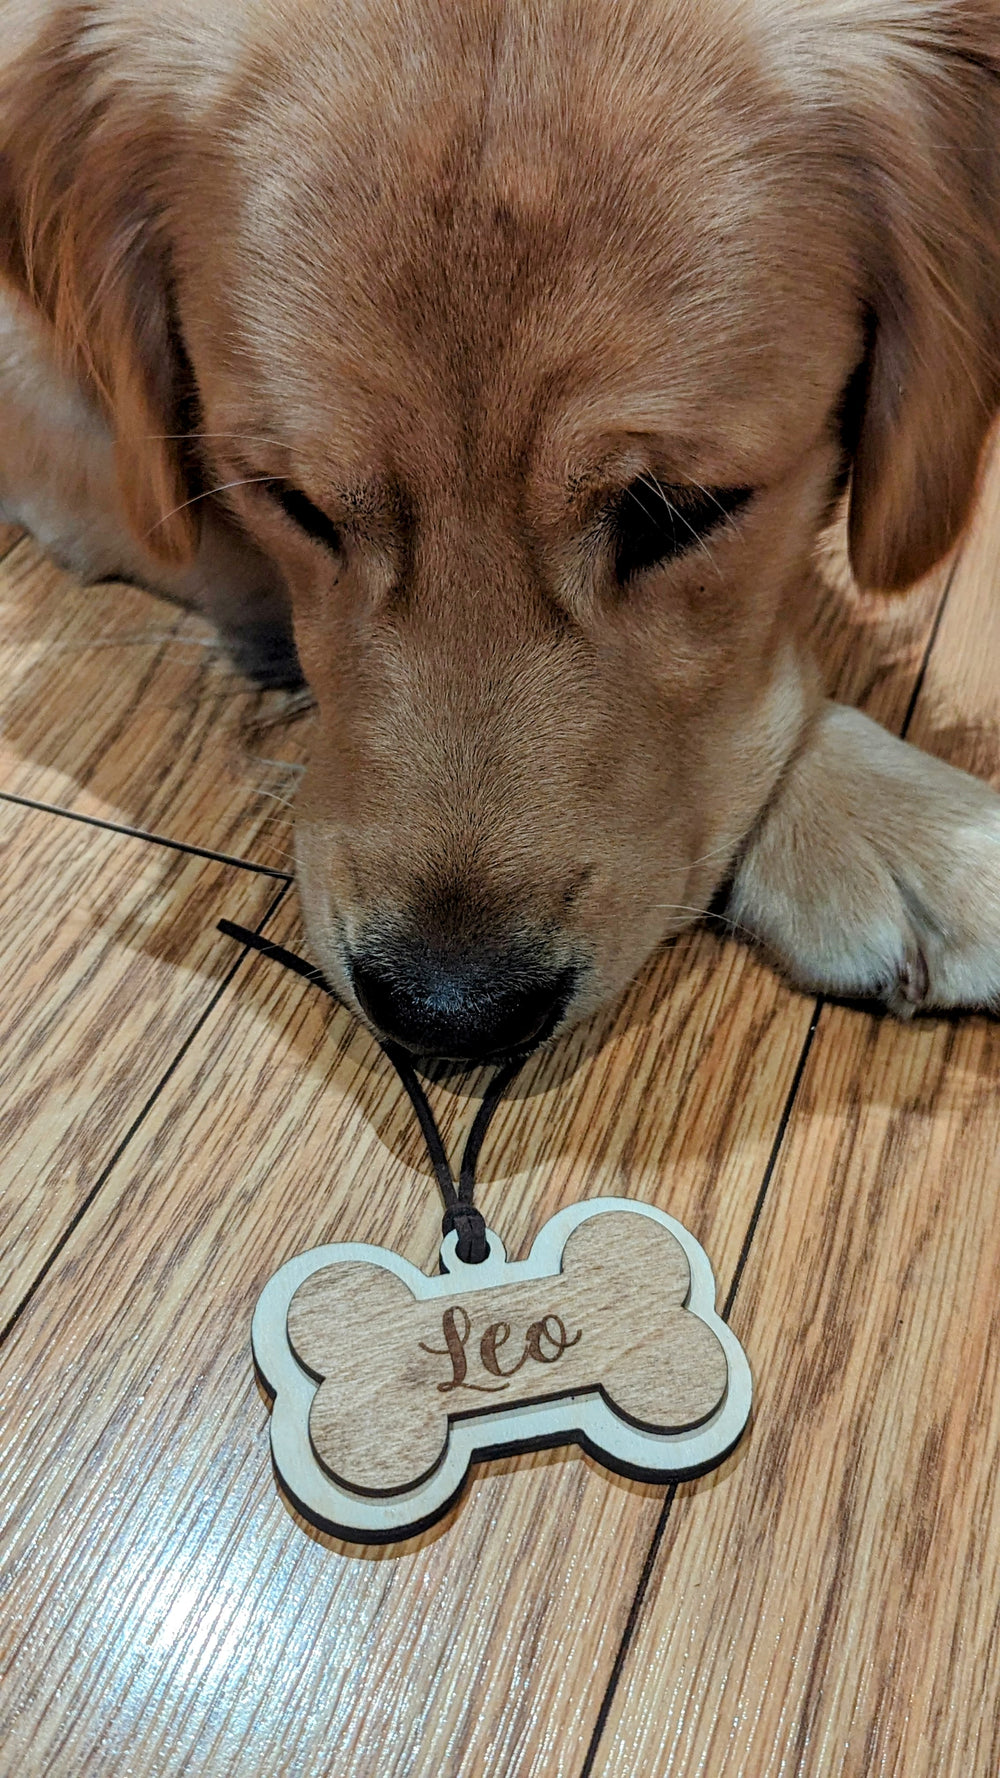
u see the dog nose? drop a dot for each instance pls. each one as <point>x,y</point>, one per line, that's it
<point>463,1006</point>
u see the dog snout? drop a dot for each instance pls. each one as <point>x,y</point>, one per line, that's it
<point>465,1005</point>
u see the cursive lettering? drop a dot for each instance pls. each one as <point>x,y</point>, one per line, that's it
<point>545,1341</point>
<point>455,1335</point>
<point>558,1340</point>
<point>495,1336</point>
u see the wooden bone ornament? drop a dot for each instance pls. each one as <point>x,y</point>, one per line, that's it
<point>387,1382</point>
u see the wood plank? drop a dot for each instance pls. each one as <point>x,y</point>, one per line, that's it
<point>194,1626</point>
<point>832,1604</point>
<point>120,705</point>
<point>108,956</point>
<point>283,1128</point>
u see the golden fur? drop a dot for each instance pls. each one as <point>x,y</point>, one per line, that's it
<point>462,272</point>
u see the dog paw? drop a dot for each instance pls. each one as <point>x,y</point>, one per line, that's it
<point>875,872</point>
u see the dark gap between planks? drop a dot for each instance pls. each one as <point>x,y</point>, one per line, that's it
<point>642,1587</point>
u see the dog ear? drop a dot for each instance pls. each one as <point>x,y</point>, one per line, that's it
<point>82,238</point>
<point>929,115</point>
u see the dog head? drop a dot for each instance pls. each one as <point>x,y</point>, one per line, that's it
<point>535,345</point>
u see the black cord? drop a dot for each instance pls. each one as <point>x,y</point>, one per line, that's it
<point>461,1213</point>
<point>421,1105</point>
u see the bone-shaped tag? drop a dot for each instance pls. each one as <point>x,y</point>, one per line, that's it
<point>611,1320</point>
<point>387,1382</point>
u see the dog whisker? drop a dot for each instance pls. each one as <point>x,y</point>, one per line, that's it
<point>295,767</point>
<point>727,517</point>
<point>296,705</point>
<point>234,438</point>
<point>285,801</point>
<point>675,907</point>
<point>678,907</point>
<point>727,847</point>
<point>245,481</point>
<point>675,512</point>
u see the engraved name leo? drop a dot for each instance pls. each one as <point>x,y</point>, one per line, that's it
<point>545,1341</point>
<point>394,1370</point>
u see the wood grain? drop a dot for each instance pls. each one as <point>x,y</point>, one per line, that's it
<point>108,956</point>
<point>282,1129</point>
<point>167,1613</point>
<point>117,704</point>
<point>833,1604</point>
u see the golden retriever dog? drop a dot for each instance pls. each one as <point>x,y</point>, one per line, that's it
<point>512,355</point>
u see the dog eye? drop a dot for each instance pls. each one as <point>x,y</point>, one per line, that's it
<point>309,518</point>
<point>652,524</point>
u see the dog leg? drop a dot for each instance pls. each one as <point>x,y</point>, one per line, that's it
<point>58,480</point>
<point>875,871</point>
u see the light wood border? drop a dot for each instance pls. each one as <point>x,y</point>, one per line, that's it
<point>581,1417</point>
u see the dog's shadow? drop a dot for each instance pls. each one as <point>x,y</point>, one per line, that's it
<point>545,1096</point>
<point>654,1059</point>
<point>655,1049</point>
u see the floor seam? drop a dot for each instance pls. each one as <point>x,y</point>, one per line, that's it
<point>141,833</point>
<point>137,1123</point>
<point>642,1586</point>
<point>918,684</point>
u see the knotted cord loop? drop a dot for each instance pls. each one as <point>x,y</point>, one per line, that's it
<point>472,1247</point>
<point>461,1213</point>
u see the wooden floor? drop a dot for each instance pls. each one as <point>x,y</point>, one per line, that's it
<point>179,1118</point>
